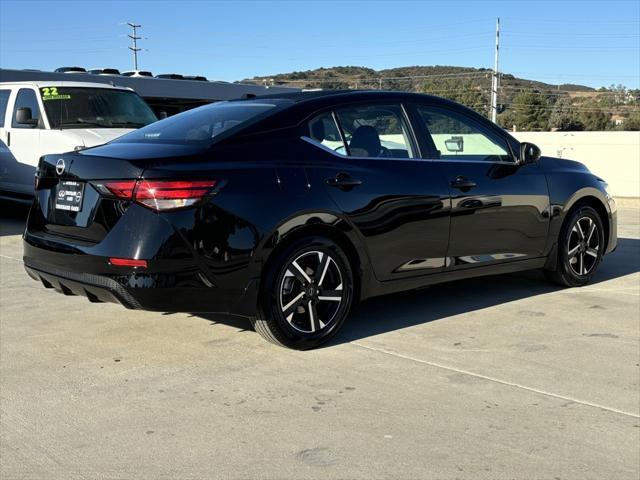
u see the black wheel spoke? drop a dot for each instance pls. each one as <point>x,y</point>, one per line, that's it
<point>296,270</point>
<point>321,272</point>
<point>330,295</point>
<point>573,252</point>
<point>592,229</point>
<point>291,307</point>
<point>314,320</point>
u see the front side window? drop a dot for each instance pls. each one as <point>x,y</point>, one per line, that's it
<point>375,131</point>
<point>201,125</point>
<point>457,138</point>
<point>26,99</point>
<point>77,107</point>
<point>4,100</point>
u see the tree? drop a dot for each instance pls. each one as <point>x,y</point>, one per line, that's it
<point>564,116</point>
<point>507,119</point>
<point>594,119</point>
<point>631,123</point>
<point>531,110</point>
<point>461,91</point>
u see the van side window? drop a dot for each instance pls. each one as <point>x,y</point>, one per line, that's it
<point>4,100</point>
<point>26,98</point>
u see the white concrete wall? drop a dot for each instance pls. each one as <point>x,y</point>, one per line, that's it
<point>614,156</point>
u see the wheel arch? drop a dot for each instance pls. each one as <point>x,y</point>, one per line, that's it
<point>319,224</point>
<point>595,199</point>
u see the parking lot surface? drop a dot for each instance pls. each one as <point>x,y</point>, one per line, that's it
<point>499,377</point>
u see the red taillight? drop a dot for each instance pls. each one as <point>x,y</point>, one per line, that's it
<point>122,189</point>
<point>161,194</point>
<point>128,262</point>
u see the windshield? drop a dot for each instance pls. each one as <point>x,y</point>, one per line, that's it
<point>200,125</point>
<point>77,107</point>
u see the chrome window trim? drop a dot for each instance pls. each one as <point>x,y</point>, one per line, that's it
<point>415,159</point>
<point>315,143</point>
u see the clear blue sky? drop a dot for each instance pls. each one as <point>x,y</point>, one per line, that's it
<point>590,42</point>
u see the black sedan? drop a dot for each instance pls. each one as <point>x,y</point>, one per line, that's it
<point>290,209</point>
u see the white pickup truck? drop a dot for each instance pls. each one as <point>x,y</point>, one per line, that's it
<point>39,118</point>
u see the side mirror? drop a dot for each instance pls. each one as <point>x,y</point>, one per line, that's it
<point>24,117</point>
<point>529,153</point>
<point>455,144</point>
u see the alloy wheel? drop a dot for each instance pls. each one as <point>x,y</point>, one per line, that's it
<point>311,291</point>
<point>583,246</point>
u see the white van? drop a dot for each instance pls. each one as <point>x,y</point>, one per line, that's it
<point>38,118</point>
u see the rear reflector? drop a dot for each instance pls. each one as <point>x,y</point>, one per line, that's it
<point>160,194</point>
<point>128,262</point>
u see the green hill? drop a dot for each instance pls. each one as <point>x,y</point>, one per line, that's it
<point>528,104</point>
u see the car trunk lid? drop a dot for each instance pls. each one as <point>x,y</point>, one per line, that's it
<point>70,188</point>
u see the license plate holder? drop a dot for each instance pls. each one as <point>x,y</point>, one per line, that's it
<point>69,195</point>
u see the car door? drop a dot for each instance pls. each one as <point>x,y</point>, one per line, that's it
<point>499,208</point>
<point>23,141</point>
<point>368,162</point>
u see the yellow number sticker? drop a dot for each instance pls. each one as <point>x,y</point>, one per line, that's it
<point>51,93</point>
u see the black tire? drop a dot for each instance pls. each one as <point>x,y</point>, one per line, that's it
<point>302,325</point>
<point>579,250</point>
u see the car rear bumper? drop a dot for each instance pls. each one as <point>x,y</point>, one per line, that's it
<point>181,289</point>
<point>96,288</point>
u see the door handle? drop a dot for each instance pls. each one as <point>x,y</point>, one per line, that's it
<point>343,181</point>
<point>462,182</point>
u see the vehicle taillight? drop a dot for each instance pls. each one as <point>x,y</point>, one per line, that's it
<point>160,194</point>
<point>169,194</point>
<point>122,189</point>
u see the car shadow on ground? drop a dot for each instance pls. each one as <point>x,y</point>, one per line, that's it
<point>395,312</point>
<point>12,218</point>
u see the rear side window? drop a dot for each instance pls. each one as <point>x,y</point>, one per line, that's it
<point>375,131</point>
<point>26,99</point>
<point>323,129</point>
<point>4,100</point>
<point>201,125</point>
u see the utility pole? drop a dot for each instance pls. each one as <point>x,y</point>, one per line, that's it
<point>135,48</point>
<point>495,80</point>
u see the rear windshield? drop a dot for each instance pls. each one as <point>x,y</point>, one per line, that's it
<point>201,125</point>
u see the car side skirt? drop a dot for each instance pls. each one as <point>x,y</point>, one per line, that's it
<point>375,288</point>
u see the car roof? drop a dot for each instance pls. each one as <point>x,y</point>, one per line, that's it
<point>301,105</point>
<point>44,83</point>
<point>332,96</point>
